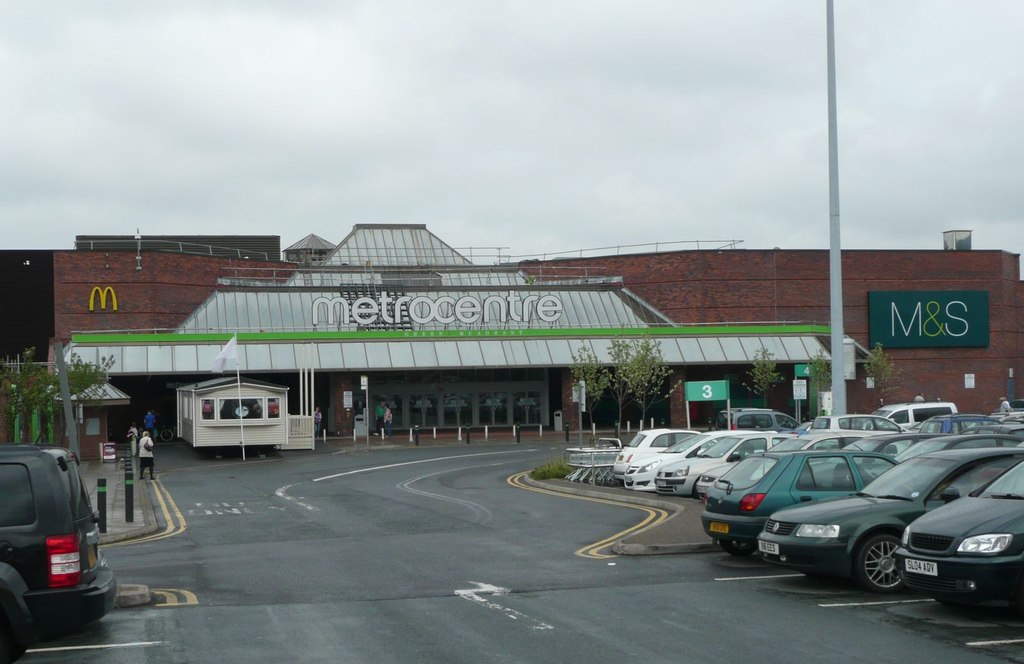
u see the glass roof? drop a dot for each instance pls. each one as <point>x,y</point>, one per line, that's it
<point>376,245</point>
<point>290,310</point>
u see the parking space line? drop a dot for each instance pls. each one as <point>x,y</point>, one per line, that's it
<point>104,646</point>
<point>1004,642</point>
<point>748,578</point>
<point>894,601</point>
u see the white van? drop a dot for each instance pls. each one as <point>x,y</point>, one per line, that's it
<point>908,414</point>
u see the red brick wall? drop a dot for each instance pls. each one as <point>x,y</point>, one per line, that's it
<point>157,298</point>
<point>793,286</point>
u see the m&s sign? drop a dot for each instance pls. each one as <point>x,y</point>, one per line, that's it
<point>928,319</point>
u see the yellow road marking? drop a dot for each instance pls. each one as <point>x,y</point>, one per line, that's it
<point>173,517</point>
<point>595,551</point>
<point>171,597</point>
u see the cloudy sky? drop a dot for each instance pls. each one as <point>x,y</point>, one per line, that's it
<point>537,127</point>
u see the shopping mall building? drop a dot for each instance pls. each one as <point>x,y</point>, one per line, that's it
<point>449,342</point>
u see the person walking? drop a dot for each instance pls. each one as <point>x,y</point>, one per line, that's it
<point>379,418</point>
<point>133,439</point>
<point>387,421</point>
<point>149,422</point>
<point>1004,405</point>
<point>146,455</point>
<point>317,419</point>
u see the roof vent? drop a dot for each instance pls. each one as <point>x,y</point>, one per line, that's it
<point>956,240</point>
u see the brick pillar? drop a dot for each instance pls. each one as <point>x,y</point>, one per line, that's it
<point>677,400</point>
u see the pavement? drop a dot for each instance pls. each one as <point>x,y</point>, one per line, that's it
<point>680,533</point>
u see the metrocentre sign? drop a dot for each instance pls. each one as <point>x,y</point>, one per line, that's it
<point>420,309</point>
<point>928,319</point>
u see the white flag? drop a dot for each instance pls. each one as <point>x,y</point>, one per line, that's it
<point>229,352</point>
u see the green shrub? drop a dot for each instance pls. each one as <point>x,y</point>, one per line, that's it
<point>554,469</point>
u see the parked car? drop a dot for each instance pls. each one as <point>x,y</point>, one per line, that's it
<point>740,502</point>
<point>1009,428</point>
<point>53,577</point>
<point>642,470</point>
<point>908,414</point>
<point>890,443</point>
<point>755,419</point>
<point>679,477</point>
<point>970,551</point>
<point>821,440</point>
<point>857,536</point>
<point>959,441</point>
<point>711,475</point>
<point>651,440</point>
<point>955,423</point>
<point>854,422</point>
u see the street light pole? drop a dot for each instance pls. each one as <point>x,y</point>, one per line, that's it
<point>835,254</point>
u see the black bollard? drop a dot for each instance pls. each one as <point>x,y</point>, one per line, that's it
<point>129,493</point>
<point>416,434</point>
<point>101,500</point>
<point>467,435</point>
<point>519,433</point>
<point>566,427</point>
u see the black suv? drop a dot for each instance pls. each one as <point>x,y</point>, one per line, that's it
<point>53,579</point>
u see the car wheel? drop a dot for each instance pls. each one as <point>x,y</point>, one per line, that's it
<point>734,548</point>
<point>693,492</point>
<point>874,566</point>
<point>9,650</point>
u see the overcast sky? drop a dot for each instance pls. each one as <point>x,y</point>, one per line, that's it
<point>531,126</point>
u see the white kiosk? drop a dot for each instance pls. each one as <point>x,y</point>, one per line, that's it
<point>228,412</point>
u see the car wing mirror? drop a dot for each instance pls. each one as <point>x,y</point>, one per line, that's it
<point>735,456</point>
<point>949,494</point>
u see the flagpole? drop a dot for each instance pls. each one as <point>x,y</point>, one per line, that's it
<point>241,413</point>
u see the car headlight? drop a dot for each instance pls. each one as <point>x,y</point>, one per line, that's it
<point>817,530</point>
<point>905,540</point>
<point>649,467</point>
<point>682,472</point>
<point>993,543</point>
<point>706,479</point>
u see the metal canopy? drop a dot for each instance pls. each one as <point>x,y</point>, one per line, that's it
<point>417,354</point>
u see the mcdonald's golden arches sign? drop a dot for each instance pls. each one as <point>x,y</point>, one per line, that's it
<point>104,293</point>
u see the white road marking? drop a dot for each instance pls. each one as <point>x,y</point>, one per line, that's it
<point>104,646</point>
<point>412,463</point>
<point>895,601</point>
<point>1004,642</point>
<point>473,595</point>
<point>283,491</point>
<point>749,578</point>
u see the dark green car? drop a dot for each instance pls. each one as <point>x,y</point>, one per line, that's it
<point>857,536</point>
<point>741,500</point>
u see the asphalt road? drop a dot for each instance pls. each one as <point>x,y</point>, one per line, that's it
<point>432,555</point>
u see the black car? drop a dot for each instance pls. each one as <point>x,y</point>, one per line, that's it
<point>889,443</point>
<point>53,579</point>
<point>972,550</point>
<point>857,536</point>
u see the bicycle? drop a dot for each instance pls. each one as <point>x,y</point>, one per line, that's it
<point>168,434</point>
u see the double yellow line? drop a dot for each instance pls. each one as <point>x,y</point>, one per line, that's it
<point>596,551</point>
<point>173,518</point>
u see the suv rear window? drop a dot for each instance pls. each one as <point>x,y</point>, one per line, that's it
<point>17,507</point>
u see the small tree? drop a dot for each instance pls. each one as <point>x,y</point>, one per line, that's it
<point>30,388</point>
<point>881,369</point>
<point>763,375</point>
<point>821,375</point>
<point>587,369</point>
<point>642,372</point>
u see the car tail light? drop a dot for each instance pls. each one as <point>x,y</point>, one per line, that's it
<point>751,501</point>
<point>65,561</point>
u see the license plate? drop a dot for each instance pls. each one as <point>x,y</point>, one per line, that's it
<point>925,567</point>
<point>718,527</point>
<point>768,547</point>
